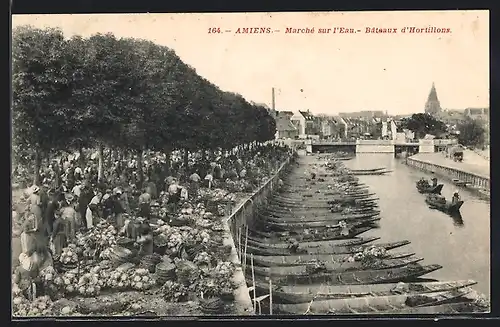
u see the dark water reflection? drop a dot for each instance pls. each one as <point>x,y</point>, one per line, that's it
<point>461,243</point>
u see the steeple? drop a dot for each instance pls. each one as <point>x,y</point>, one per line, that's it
<point>432,106</point>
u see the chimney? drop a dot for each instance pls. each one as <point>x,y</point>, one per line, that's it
<point>273,104</point>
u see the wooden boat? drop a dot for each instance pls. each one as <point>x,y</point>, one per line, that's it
<point>335,211</point>
<point>355,202</point>
<point>323,208</point>
<point>324,219</point>
<point>458,182</point>
<point>315,244</point>
<point>317,225</point>
<point>446,206</point>
<point>373,304</point>
<point>373,173</point>
<point>326,204</point>
<point>331,267</point>
<point>303,236</point>
<point>323,250</point>
<point>367,170</point>
<point>360,277</point>
<point>430,189</point>
<point>305,259</point>
<point>307,293</point>
<point>319,197</point>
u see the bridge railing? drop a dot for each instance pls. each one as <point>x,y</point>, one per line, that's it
<point>326,142</point>
<point>384,142</point>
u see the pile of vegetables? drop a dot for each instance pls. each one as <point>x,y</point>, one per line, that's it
<point>174,291</point>
<point>67,282</point>
<point>141,280</point>
<point>369,254</point>
<point>217,194</point>
<point>23,307</point>
<point>88,284</point>
<point>96,240</point>
<point>69,254</point>
<point>240,185</point>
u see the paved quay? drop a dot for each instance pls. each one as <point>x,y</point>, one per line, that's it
<point>472,164</point>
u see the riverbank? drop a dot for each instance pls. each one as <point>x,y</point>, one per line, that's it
<point>477,175</point>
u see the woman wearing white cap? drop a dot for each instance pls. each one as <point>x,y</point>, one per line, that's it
<point>92,209</point>
<point>35,204</point>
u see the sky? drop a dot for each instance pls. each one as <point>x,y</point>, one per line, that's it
<point>325,73</point>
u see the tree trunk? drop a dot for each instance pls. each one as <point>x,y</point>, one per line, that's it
<point>38,164</point>
<point>140,168</point>
<point>82,157</point>
<point>186,159</point>
<point>110,157</point>
<point>100,166</point>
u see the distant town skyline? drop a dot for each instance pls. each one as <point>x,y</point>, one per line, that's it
<point>326,74</point>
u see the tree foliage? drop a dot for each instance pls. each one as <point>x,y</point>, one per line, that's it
<point>122,93</point>
<point>472,133</point>
<point>422,124</point>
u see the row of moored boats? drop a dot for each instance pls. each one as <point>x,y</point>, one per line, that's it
<point>307,241</point>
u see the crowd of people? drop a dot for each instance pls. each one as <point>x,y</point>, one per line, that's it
<point>72,198</point>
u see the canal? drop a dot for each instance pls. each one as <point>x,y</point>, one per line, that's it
<point>461,247</point>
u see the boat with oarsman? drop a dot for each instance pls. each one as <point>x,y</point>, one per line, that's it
<point>429,188</point>
<point>439,202</point>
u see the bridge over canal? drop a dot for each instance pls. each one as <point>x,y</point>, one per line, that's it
<point>377,146</point>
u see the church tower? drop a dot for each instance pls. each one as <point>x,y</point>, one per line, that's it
<point>432,105</point>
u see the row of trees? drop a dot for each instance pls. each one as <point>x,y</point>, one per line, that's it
<point>470,131</point>
<point>120,93</point>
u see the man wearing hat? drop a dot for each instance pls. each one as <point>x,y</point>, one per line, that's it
<point>68,214</point>
<point>145,204</point>
<point>107,203</point>
<point>117,208</point>
<point>434,182</point>
<point>456,198</point>
<point>194,184</point>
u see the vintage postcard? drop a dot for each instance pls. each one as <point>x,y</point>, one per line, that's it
<point>322,163</point>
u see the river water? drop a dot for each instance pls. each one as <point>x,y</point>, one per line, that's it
<point>461,247</point>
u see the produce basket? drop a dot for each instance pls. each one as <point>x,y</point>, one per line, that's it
<point>126,243</point>
<point>179,222</point>
<point>120,255</point>
<point>165,271</point>
<point>212,306</point>
<point>160,244</point>
<point>150,261</point>
<point>64,267</point>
